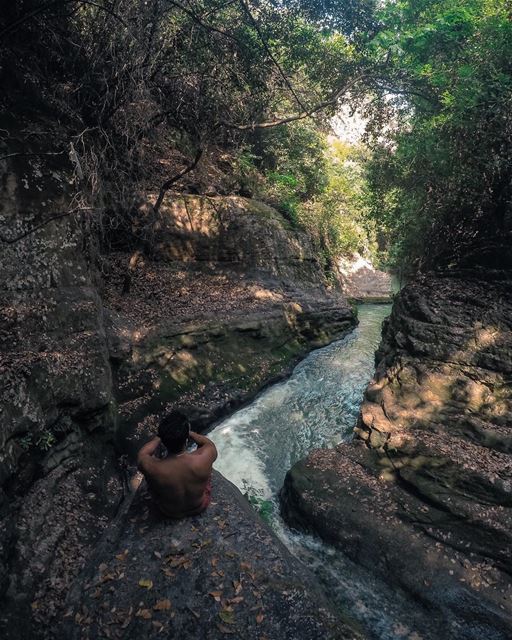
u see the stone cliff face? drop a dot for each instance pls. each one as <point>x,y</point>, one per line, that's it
<point>422,497</point>
<point>230,299</point>
<point>213,314</point>
<point>58,479</point>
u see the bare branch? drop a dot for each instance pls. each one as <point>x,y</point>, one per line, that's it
<point>21,153</point>
<point>168,184</point>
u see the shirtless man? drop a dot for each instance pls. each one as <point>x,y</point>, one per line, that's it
<point>180,483</point>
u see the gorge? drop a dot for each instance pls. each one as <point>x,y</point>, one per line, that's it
<point>293,222</point>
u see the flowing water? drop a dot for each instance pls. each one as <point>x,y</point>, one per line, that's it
<point>316,407</point>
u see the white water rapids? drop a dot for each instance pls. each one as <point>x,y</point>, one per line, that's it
<point>316,407</point>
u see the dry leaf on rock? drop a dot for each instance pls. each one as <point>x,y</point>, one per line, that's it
<point>216,595</point>
<point>144,613</point>
<point>162,605</point>
<point>146,583</point>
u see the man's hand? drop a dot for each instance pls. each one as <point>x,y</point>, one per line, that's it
<point>205,445</point>
<point>146,452</point>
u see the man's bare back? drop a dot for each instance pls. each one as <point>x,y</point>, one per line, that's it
<point>179,483</point>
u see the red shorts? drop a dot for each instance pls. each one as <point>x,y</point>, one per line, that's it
<point>207,495</point>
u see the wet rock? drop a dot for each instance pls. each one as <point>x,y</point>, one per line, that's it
<point>423,495</point>
<point>219,574</point>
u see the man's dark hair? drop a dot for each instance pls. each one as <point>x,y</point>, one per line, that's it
<point>173,430</point>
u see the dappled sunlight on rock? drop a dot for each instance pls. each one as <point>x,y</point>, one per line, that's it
<point>427,481</point>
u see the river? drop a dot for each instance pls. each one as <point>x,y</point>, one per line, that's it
<point>316,407</point>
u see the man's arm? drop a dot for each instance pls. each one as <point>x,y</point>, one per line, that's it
<point>205,445</point>
<point>145,456</point>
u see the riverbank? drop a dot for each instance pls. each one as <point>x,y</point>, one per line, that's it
<point>421,498</point>
<point>88,369</point>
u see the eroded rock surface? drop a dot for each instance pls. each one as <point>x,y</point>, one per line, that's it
<point>220,574</point>
<point>58,479</point>
<point>229,299</point>
<point>423,496</point>
<point>204,324</point>
<point>361,281</point>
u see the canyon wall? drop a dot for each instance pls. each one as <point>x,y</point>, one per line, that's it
<point>225,298</point>
<point>422,496</point>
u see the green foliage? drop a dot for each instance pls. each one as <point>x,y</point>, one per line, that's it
<point>338,217</point>
<point>26,441</point>
<point>441,176</point>
<point>264,507</point>
<point>46,440</point>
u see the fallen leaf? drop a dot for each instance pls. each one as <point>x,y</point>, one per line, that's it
<point>122,556</point>
<point>238,586</point>
<point>107,576</point>
<point>162,605</point>
<point>259,618</point>
<point>216,595</point>
<point>227,616</point>
<point>178,561</point>
<point>224,629</point>
<point>144,613</point>
<point>147,584</point>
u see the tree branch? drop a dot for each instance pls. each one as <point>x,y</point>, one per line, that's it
<point>200,22</point>
<point>287,82</point>
<point>21,153</point>
<point>46,7</point>
<point>307,113</point>
<point>168,184</point>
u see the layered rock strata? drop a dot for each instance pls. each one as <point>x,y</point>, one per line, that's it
<point>422,497</point>
<point>229,300</point>
<point>58,477</point>
<point>214,312</point>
